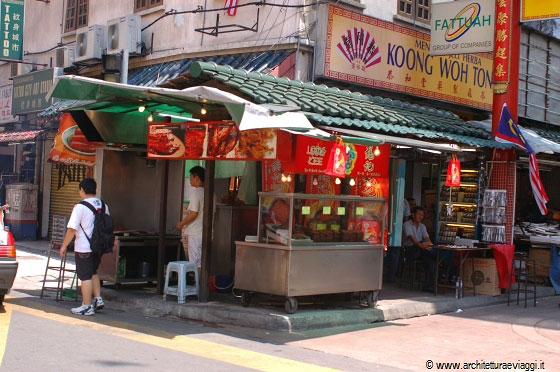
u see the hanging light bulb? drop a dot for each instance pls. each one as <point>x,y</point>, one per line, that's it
<point>284,178</point>
<point>203,110</point>
<point>337,181</point>
<point>150,118</point>
<point>352,182</point>
<point>289,178</point>
<point>315,182</point>
<point>141,108</point>
<point>368,183</point>
<point>377,152</point>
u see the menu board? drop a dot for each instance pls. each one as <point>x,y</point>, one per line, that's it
<point>215,140</point>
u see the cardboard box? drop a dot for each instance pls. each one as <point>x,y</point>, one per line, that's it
<point>485,276</point>
<point>542,261</point>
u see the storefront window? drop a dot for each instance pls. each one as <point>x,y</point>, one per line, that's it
<point>140,5</point>
<point>76,14</point>
<point>417,10</point>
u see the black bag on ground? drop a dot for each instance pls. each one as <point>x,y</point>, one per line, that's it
<point>102,238</point>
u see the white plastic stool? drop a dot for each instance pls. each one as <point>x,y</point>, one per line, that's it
<point>181,290</point>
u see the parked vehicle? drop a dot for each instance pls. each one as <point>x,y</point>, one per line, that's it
<point>8,261</point>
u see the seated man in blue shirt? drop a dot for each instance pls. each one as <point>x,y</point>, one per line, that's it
<point>418,246</point>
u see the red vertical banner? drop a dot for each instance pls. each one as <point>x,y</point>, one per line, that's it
<point>502,46</point>
<point>505,77</point>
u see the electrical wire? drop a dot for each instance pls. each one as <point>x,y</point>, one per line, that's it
<point>254,3</point>
<point>50,49</point>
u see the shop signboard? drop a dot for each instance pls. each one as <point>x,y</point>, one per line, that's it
<point>6,104</point>
<point>370,52</point>
<point>71,146</point>
<point>215,140</point>
<point>30,91</point>
<point>538,10</point>
<point>311,156</point>
<point>460,27</point>
<point>12,29</point>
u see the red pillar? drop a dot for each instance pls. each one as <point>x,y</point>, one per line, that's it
<point>511,95</point>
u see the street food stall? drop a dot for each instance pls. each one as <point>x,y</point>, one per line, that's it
<point>313,244</point>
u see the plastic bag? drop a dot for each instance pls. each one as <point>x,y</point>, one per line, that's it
<point>336,165</point>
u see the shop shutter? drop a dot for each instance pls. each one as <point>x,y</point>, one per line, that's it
<point>64,189</point>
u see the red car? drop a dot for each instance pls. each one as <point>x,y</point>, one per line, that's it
<point>8,262</point>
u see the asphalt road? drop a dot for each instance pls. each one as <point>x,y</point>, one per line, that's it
<point>42,335</point>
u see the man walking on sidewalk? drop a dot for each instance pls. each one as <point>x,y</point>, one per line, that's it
<point>87,262</point>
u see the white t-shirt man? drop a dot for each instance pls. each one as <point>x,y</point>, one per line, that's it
<point>84,216</point>
<point>193,230</point>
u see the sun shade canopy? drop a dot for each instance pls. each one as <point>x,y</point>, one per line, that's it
<point>120,102</point>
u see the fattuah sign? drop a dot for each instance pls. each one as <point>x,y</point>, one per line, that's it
<point>537,10</point>
<point>30,91</point>
<point>367,51</point>
<point>12,29</point>
<point>461,27</point>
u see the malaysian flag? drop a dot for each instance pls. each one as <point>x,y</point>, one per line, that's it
<point>231,4</point>
<point>508,132</point>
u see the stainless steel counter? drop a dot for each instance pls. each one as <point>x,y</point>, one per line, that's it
<point>308,270</point>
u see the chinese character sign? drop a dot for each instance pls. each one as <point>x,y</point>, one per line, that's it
<point>12,29</point>
<point>502,46</point>
<point>30,91</point>
<point>367,51</point>
<point>6,104</point>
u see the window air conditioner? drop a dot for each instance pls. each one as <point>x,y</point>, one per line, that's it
<point>64,56</point>
<point>91,43</point>
<point>124,34</point>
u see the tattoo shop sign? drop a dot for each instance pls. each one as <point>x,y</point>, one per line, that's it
<point>12,29</point>
<point>460,27</point>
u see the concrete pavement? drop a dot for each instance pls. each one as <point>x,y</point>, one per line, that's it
<point>268,314</point>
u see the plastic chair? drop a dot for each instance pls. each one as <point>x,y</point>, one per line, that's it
<point>521,269</point>
<point>181,290</point>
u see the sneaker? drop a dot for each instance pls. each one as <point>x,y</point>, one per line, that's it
<point>98,303</point>
<point>83,310</point>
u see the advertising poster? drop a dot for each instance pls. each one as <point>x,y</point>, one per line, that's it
<point>215,140</point>
<point>370,52</point>
<point>272,177</point>
<point>6,104</point>
<point>71,146</point>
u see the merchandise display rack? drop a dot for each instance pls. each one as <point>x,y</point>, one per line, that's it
<point>462,221</point>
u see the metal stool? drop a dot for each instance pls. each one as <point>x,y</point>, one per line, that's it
<point>409,270</point>
<point>520,270</point>
<point>181,290</point>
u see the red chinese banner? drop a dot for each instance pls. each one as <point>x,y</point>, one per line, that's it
<point>71,146</point>
<point>502,52</point>
<point>272,177</point>
<point>215,140</point>
<point>311,157</point>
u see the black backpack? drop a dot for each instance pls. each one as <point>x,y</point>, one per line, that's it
<point>102,238</point>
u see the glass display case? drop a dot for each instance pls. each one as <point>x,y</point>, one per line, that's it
<point>304,219</point>
<point>313,244</point>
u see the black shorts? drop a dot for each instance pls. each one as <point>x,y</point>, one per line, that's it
<point>87,265</point>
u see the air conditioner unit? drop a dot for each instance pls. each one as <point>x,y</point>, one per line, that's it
<point>124,34</point>
<point>91,43</point>
<point>64,56</point>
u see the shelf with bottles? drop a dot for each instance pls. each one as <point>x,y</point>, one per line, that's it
<point>460,214</point>
<point>448,233</point>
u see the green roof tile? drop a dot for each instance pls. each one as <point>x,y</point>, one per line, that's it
<point>336,107</point>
